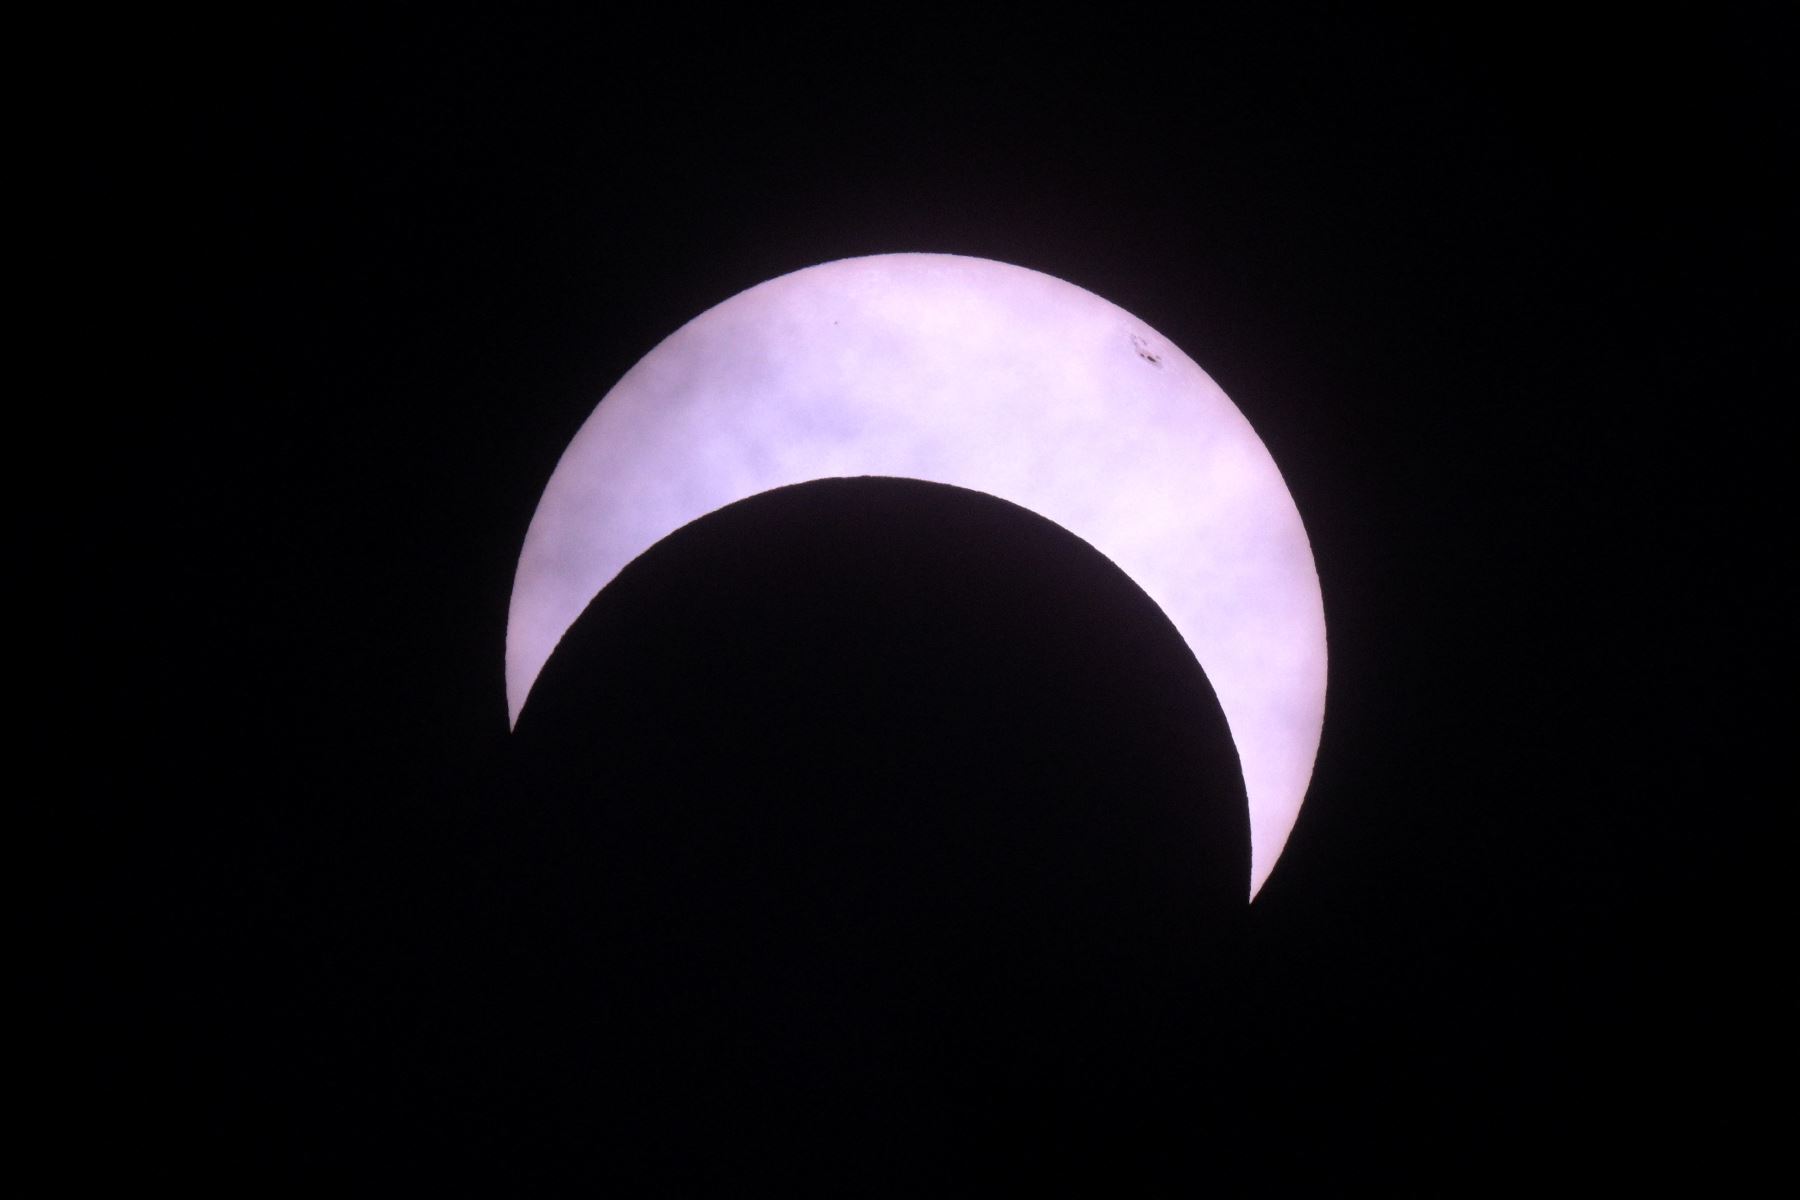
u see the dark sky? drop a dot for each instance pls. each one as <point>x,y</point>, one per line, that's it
<point>1496,292</point>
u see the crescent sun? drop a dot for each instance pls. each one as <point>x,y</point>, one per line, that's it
<point>984,376</point>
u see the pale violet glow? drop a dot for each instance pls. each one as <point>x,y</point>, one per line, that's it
<point>985,376</point>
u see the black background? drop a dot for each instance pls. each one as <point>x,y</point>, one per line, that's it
<point>1496,291</point>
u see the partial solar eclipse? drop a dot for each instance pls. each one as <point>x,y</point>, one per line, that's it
<point>984,376</point>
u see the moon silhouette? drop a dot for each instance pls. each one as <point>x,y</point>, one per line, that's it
<point>984,376</point>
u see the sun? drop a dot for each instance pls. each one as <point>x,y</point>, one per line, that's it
<point>984,376</point>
